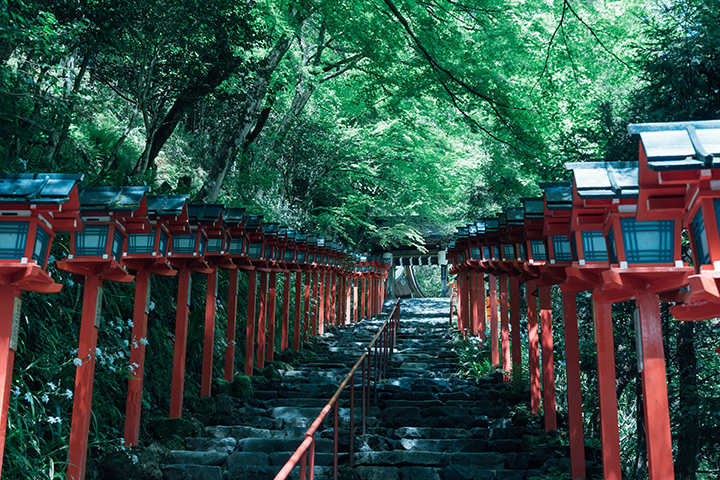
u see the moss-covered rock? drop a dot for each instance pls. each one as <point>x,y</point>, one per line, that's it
<point>163,428</point>
<point>221,386</point>
<point>270,372</point>
<point>202,405</point>
<point>142,463</point>
<point>241,387</point>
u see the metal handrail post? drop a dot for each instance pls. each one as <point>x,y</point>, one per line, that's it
<point>335,440</point>
<point>352,419</point>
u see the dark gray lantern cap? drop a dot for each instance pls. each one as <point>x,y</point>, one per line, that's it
<point>680,145</point>
<point>199,212</point>
<point>491,224</point>
<point>112,198</point>
<point>233,216</point>
<point>35,188</point>
<point>480,226</point>
<point>300,237</point>
<point>312,241</point>
<point>291,234</point>
<point>321,241</point>
<point>605,179</point>
<point>270,229</point>
<point>534,207</point>
<point>558,195</point>
<point>502,220</point>
<point>515,216</point>
<point>165,205</point>
<point>253,222</point>
<point>462,232</point>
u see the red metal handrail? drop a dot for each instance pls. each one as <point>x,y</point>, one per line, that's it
<point>380,348</point>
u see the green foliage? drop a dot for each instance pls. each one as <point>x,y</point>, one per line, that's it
<point>473,357</point>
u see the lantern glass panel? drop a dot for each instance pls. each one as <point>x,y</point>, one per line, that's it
<point>141,242</point>
<point>476,253</point>
<point>487,252</point>
<point>42,242</point>
<point>538,250</point>
<point>214,245</point>
<point>311,257</point>
<point>289,255</point>
<point>255,250</point>
<point>523,255</point>
<point>563,250</point>
<point>91,242</point>
<point>648,242</point>
<point>236,246</point>
<point>594,246</point>
<point>203,244</point>
<point>13,238</point>
<point>117,246</point>
<point>163,245</point>
<point>301,257</point>
<point>508,251</point>
<point>702,252</point>
<point>612,250</point>
<point>184,244</point>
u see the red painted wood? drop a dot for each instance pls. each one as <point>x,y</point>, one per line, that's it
<point>657,414</point>
<point>533,351</point>
<point>363,302</point>
<point>463,307</point>
<point>574,389</point>
<point>355,299</point>
<point>494,353</point>
<point>328,298</point>
<point>316,302</point>
<point>504,324</point>
<point>308,316</point>
<point>298,310</point>
<point>320,320</point>
<point>133,405</point>
<point>548,367</point>
<point>474,302</point>
<point>285,327</point>
<point>180,348</point>
<point>515,327</point>
<point>607,394</point>
<point>231,325</point>
<point>271,320</point>
<point>209,333</point>
<point>8,294</point>
<point>262,321</point>
<point>482,317</point>
<point>250,332</point>
<point>84,375</point>
<point>334,301</point>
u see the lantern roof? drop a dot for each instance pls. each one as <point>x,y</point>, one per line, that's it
<point>558,195</point>
<point>534,208</point>
<point>200,212</point>
<point>515,216</point>
<point>491,224</point>
<point>320,241</point>
<point>109,199</point>
<point>270,229</point>
<point>233,216</point>
<point>167,205</point>
<point>480,226</point>
<point>301,237</point>
<point>312,241</point>
<point>605,180</point>
<point>36,188</point>
<point>253,222</point>
<point>462,232</point>
<point>680,145</point>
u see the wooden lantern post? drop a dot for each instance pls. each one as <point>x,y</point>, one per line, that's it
<point>95,254</point>
<point>289,265</point>
<point>492,257</point>
<point>275,234</point>
<point>233,222</point>
<point>255,252</point>
<point>267,237</point>
<point>33,207</point>
<point>301,267</point>
<point>146,255</point>
<point>186,254</point>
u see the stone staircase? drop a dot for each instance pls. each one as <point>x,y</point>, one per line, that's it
<point>425,423</point>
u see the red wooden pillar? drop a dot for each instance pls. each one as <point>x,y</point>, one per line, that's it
<point>272,304</point>
<point>180,347</point>
<point>209,333</point>
<point>515,327</point>
<point>607,393</point>
<point>363,303</point>
<point>482,311</point>
<point>308,313</point>
<point>494,353</point>
<point>574,389</point>
<point>285,328</point>
<point>504,324</point>
<point>10,310</point>
<point>335,304</point>
<point>318,327</point>
<point>533,353</point>
<point>231,325</point>
<point>84,374</point>
<point>355,299</point>
<point>474,310</point>
<point>262,320</point>
<point>328,298</point>
<point>250,335</point>
<point>657,415</point>
<point>548,367</point>
<point>317,285</point>
<point>133,406</point>
<point>464,321</point>
<point>298,309</point>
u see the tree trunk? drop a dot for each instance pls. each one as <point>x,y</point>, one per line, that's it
<point>686,463</point>
<point>233,142</point>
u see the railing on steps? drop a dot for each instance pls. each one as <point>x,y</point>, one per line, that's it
<point>373,364</point>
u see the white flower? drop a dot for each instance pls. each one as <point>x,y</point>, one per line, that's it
<point>135,345</point>
<point>134,459</point>
<point>126,342</point>
<point>53,419</point>
<point>98,352</point>
<point>28,397</point>
<point>130,323</point>
<point>77,362</point>
<point>45,399</point>
<point>119,328</point>
<point>68,393</point>
<point>144,341</point>
<point>151,306</point>
<point>16,390</point>
<point>52,386</point>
